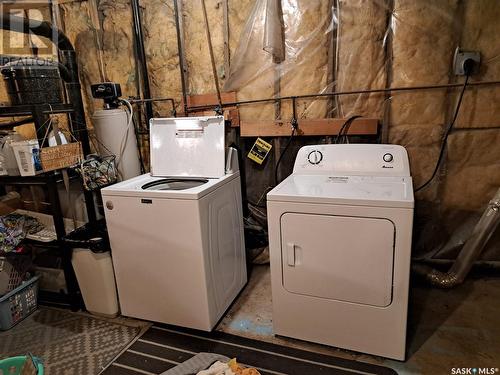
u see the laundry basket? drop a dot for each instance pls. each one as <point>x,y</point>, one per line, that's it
<point>14,365</point>
<point>12,272</point>
<point>18,304</point>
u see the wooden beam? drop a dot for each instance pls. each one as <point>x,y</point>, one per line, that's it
<point>312,127</point>
<point>210,99</point>
<point>16,4</point>
<point>231,114</point>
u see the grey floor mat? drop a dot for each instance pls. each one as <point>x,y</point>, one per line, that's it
<point>68,343</point>
<point>164,347</point>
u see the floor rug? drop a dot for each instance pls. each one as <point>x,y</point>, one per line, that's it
<point>69,343</point>
<point>163,347</point>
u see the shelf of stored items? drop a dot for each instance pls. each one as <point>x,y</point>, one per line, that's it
<point>51,180</point>
<point>39,113</point>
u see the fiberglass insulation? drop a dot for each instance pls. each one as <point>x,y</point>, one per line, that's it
<point>79,30</point>
<point>380,43</point>
<point>474,155</point>
<point>160,40</point>
<point>363,32</point>
<point>200,76</point>
<point>307,25</point>
<point>423,37</point>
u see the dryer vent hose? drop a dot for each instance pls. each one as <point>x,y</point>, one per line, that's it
<point>470,252</point>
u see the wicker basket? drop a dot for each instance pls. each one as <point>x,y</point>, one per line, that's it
<point>62,156</point>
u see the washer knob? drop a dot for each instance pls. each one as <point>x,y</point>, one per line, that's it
<point>388,158</point>
<point>315,157</point>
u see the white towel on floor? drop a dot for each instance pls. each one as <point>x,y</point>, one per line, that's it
<point>218,368</point>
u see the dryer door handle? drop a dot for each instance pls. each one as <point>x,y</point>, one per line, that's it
<point>290,254</point>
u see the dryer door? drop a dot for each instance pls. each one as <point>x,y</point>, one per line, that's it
<point>338,257</point>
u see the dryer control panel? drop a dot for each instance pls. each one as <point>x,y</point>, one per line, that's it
<point>353,159</point>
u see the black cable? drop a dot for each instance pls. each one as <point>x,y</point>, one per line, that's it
<point>345,127</point>
<point>255,204</point>
<point>141,159</point>
<point>348,127</point>
<point>445,137</point>
<point>276,168</point>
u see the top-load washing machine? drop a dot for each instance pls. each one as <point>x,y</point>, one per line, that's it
<point>177,233</point>
<point>340,230</point>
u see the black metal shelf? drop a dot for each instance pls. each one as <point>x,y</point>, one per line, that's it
<point>30,110</point>
<point>40,114</point>
<point>39,179</point>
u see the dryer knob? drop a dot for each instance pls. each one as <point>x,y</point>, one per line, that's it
<point>109,205</point>
<point>315,157</point>
<point>388,157</point>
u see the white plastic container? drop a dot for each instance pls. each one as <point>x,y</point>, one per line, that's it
<point>110,126</point>
<point>27,155</point>
<point>3,165</point>
<point>96,278</point>
<point>8,163</point>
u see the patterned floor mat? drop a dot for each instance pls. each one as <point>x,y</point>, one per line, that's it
<point>69,343</point>
<point>163,347</point>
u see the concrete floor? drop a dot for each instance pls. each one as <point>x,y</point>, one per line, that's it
<point>446,329</point>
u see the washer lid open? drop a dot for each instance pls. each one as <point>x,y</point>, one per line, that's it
<point>174,184</point>
<point>187,146</point>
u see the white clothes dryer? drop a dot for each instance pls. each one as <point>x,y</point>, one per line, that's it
<point>340,231</point>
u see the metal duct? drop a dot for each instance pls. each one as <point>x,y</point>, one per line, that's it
<point>40,28</point>
<point>471,251</point>
<point>67,57</point>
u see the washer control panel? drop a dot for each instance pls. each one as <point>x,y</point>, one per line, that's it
<point>315,157</point>
<point>353,159</point>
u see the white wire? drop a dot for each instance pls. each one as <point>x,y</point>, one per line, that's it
<point>123,142</point>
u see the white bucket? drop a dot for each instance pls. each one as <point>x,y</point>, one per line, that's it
<point>28,157</point>
<point>96,278</point>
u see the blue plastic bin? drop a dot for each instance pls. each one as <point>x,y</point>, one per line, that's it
<point>18,303</point>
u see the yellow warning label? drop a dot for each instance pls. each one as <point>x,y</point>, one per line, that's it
<point>259,150</point>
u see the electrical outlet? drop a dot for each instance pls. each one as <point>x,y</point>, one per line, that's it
<point>462,56</point>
